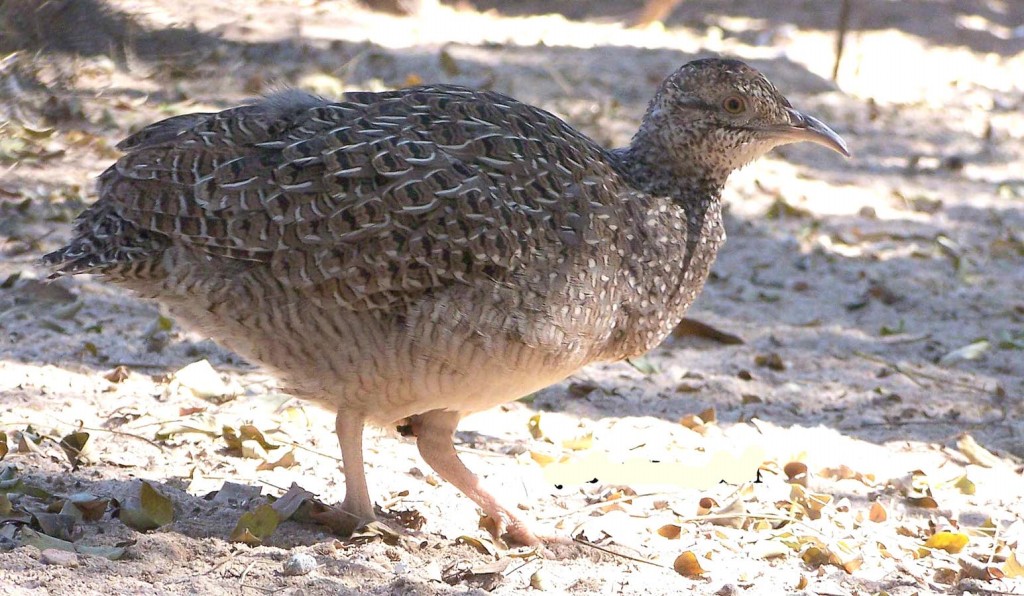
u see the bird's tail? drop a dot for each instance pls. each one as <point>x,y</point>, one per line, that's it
<point>104,242</point>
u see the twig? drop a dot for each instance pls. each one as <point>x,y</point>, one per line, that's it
<point>912,374</point>
<point>89,428</point>
<point>600,504</point>
<point>617,554</point>
<point>245,572</point>
<point>843,27</point>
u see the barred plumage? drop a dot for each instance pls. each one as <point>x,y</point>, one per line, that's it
<point>414,255</point>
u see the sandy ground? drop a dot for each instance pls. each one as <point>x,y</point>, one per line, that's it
<point>880,301</point>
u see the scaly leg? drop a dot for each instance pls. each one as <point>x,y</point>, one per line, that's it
<point>434,431</point>
<point>357,509</point>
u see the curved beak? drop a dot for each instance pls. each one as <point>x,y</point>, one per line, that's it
<point>802,127</point>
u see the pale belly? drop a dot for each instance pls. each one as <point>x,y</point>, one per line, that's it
<point>446,355</point>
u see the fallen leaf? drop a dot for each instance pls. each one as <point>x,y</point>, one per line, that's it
<point>255,526</point>
<point>971,351</point>
<point>75,447</point>
<point>687,565</point>
<point>975,453</point>
<point>154,510</point>
<point>695,328</point>
<point>286,461</point>
<point>951,542</point>
<point>118,375</point>
<point>878,514</point>
<point>290,501</point>
<point>1014,566</point>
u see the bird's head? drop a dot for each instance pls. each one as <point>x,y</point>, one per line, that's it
<point>713,116</point>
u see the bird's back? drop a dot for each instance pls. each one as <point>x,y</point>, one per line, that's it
<point>370,199</point>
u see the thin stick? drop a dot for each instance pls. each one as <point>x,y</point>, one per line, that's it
<point>617,554</point>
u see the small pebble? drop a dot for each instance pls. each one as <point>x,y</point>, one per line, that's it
<point>299,564</point>
<point>53,556</point>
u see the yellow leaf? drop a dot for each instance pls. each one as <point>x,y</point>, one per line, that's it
<point>951,542</point>
<point>579,443</point>
<point>534,426</point>
<point>965,485</point>
<point>542,458</point>
<point>1013,567</point>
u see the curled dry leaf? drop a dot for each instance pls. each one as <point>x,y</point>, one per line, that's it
<point>85,506</point>
<point>286,461</point>
<point>687,565</point>
<point>844,472</point>
<point>203,381</point>
<point>975,453</point>
<point>290,501</point>
<point>482,546</point>
<point>76,448</point>
<point>796,473</point>
<point>695,328</point>
<point>670,531</point>
<point>117,375</point>
<point>975,569</point>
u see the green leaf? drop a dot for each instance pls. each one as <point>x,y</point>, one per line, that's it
<point>158,507</point>
<point>154,510</point>
<point>255,526</point>
<point>30,537</point>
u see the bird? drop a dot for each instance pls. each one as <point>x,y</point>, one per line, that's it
<point>406,257</point>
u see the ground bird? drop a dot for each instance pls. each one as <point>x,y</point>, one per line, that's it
<point>410,256</point>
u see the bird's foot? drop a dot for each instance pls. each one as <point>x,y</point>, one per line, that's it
<point>339,520</point>
<point>508,529</point>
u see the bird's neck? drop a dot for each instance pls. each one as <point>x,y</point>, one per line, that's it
<point>661,162</point>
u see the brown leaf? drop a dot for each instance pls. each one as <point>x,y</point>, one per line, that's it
<point>670,531</point>
<point>90,508</point>
<point>118,375</point>
<point>796,473</point>
<point>878,514</point>
<point>693,327</point>
<point>770,360</point>
<point>687,565</point>
<point>286,461</point>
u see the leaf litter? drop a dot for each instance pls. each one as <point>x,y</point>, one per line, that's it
<point>828,513</point>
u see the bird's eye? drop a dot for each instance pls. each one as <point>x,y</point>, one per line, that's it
<point>734,104</point>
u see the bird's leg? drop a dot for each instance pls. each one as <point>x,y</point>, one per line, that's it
<point>356,509</point>
<point>434,431</point>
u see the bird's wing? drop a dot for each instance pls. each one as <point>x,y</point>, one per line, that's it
<point>379,195</point>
